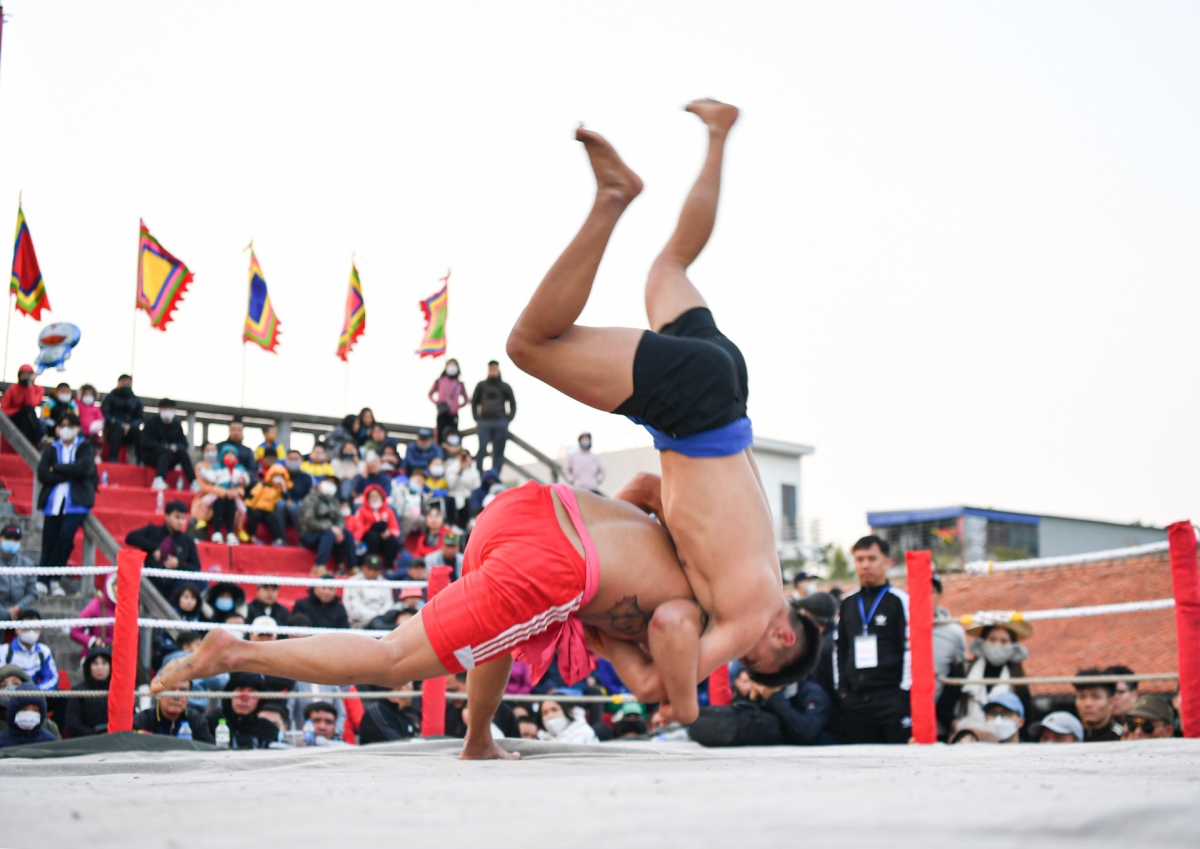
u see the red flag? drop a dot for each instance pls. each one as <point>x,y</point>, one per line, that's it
<point>26,280</point>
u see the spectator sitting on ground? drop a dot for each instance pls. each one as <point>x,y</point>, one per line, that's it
<point>67,474</point>
<point>998,654</point>
<point>323,717</point>
<point>431,538</point>
<point>421,453</point>
<point>102,606</point>
<point>366,420</point>
<point>347,468</point>
<point>1151,716</point>
<point>168,546</point>
<point>1005,714</point>
<point>264,497</point>
<point>21,403</point>
<point>317,463</point>
<point>1057,727</point>
<point>378,440</point>
<point>55,406</point>
<point>26,718</point>
<point>345,432</point>
<point>564,723</point>
<point>221,600</point>
<point>449,394</point>
<point>372,475</point>
<point>164,446</point>
<point>322,527</point>
<point>795,715</point>
<point>17,592</point>
<point>246,729</point>
<point>270,451</point>
<point>582,468</point>
<point>375,525</point>
<point>11,677</point>
<point>169,714</point>
<point>266,603</point>
<point>1093,702</point>
<point>743,686</point>
<point>450,554</point>
<point>364,602</point>
<point>245,457</point>
<point>122,411</point>
<point>323,608</point>
<point>287,511</point>
<point>391,719</point>
<point>89,716</point>
<point>91,417</point>
<point>1125,693</point>
<point>970,732</point>
<point>25,649</point>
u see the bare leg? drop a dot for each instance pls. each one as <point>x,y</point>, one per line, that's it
<point>485,686</point>
<point>403,655</point>
<point>590,364</point>
<point>669,293</point>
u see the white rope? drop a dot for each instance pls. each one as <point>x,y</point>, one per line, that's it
<point>291,630</point>
<point>996,617</point>
<point>215,577</point>
<point>51,571</point>
<point>1061,679</point>
<point>616,698</point>
<point>42,624</point>
<point>987,567</point>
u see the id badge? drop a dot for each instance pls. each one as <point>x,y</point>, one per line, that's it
<point>866,652</point>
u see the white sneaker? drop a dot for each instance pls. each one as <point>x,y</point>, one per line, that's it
<point>56,588</point>
<point>217,538</point>
<point>41,588</point>
<point>158,483</point>
<point>231,539</point>
<point>195,486</point>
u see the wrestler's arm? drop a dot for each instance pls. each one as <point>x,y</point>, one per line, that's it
<point>644,492</point>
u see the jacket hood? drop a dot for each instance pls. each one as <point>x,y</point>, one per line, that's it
<point>279,470</point>
<point>228,448</point>
<point>25,694</point>
<point>210,595</point>
<point>366,496</point>
<point>11,669</point>
<point>94,652</point>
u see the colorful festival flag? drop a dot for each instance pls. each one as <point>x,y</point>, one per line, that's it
<point>435,308</point>
<point>26,282</point>
<point>262,325</point>
<point>162,280</point>
<point>356,316</point>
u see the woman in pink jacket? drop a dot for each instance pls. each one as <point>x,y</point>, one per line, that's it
<point>103,605</point>
<point>449,394</point>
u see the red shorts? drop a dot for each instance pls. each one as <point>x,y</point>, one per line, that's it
<point>522,581</point>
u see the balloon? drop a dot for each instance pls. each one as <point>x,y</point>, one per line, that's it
<point>56,341</point>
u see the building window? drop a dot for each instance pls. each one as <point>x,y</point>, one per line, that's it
<point>788,524</point>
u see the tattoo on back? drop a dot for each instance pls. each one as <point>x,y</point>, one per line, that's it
<point>627,619</point>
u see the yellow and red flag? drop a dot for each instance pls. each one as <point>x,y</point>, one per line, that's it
<point>355,322</point>
<point>26,282</point>
<point>162,280</point>
<point>262,325</point>
<point>436,309</point>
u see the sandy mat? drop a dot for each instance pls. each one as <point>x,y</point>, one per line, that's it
<point>662,795</point>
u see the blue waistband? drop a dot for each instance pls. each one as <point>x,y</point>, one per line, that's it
<point>733,438</point>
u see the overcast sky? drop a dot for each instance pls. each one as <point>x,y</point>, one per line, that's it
<point>959,244</point>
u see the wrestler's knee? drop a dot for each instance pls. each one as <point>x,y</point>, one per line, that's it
<point>674,615</point>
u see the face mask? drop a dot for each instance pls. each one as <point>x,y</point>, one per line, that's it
<point>167,415</point>
<point>437,471</point>
<point>25,380</point>
<point>88,399</point>
<point>230,461</point>
<point>556,725</point>
<point>415,486</point>
<point>387,466</point>
<point>454,439</point>
<point>29,638</point>
<point>585,444</point>
<point>997,655</point>
<point>376,504</point>
<point>1002,726</point>
<point>63,397</point>
<point>452,371</point>
<point>328,488</point>
<point>349,458</point>
<point>293,465</point>
<point>67,434</point>
<point>223,604</point>
<point>27,720</point>
<point>10,546</point>
<point>210,456</point>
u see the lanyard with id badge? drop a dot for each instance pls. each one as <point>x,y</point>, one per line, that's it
<point>866,645</point>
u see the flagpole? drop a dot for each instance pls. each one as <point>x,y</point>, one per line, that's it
<point>243,403</point>
<point>7,327</point>
<point>346,385</point>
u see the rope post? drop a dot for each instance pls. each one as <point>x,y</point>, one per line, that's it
<point>1185,582</point>
<point>433,691</point>
<point>920,639</point>
<point>720,692</point>
<point>125,641</point>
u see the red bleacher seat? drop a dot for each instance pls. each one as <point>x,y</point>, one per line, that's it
<point>274,560</point>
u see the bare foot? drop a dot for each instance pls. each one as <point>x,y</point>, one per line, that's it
<point>719,116</point>
<point>210,659</point>
<point>614,179</point>
<point>489,752</point>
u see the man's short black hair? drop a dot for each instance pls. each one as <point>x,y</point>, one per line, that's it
<point>186,638</point>
<point>325,707</point>
<point>296,451</point>
<point>174,507</point>
<point>1092,670</point>
<point>166,404</point>
<point>125,377</point>
<point>493,362</point>
<point>28,613</point>
<point>237,420</point>
<point>69,419</point>
<point>61,385</point>
<point>1121,670</point>
<point>299,620</point>
<point>870,540</point>
<point>808,639</point>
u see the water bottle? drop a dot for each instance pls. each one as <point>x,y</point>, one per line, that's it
<point>104,478</point>
<point>179,483</point>
<point>310,733</point>
<point>222,734</point>
<point>185,730</point>
<point>158,503</point>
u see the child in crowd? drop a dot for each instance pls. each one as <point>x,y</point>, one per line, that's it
<point>260,506</point>
<point>55,406</point>
<point>270,451</point>
<point>223,483</point>
<point>91,418</point>
<point>317,464</point>
<point>375,525</point>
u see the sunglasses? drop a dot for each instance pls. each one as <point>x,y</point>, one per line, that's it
<point>1134,723</point>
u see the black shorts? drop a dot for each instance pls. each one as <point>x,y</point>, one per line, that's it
<point>687,378</point>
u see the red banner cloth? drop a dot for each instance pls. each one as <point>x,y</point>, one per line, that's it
<point>125,641</point>
<point>1185,582</point>
<point>719,690</point>
<point>433,690</point>
<point>920,641</point>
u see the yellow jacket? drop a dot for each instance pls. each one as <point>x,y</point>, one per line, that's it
<point>266,495</point>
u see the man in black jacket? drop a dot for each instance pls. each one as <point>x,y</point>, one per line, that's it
<point>493,406</point>
<point>67,474</point>
<point>164,446</point>
<point>168,546</point>
<point>247,730</point>
<point>168,715</point>
<point>122,417</point>
<point>873,659</point>
<point>323,607</point>
<point>795,715</point>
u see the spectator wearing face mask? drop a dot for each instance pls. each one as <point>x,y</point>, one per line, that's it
<point>223,487</point>
<point>582,468</point>
<point>168,546</point>
<point>91,417</point>
<point>287,511</point>
<point>17,592</point>
<point>564,723</point>
<point>123,414</point>
<point>449,395</point>
<point>1004,716</point>
<point>55,406</point>
<point>322,526</point>
<point>26,718</point>
<point>102,606</point>
<point>11,677</point>
<point>346,468</point>
<point>422,452</point>
<point>164,445</point>
<point>998,654</point>
<point>25,649</point>
<point>89,716</point>
<point>270,451</point>
<point>221,601</point>
<point>494,407</point>
<point>264,497</point>
<point>375,525</point>
<point>21,403</point>
<point>67,473</point>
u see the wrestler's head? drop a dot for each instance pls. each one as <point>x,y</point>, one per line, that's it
<point>787,652</point>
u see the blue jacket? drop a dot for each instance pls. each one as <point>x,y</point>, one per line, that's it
<point>419,458</point>
<point>803,717</point>
<point>37,661</point>
<point>382,480</point>
<point>14,736</point>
